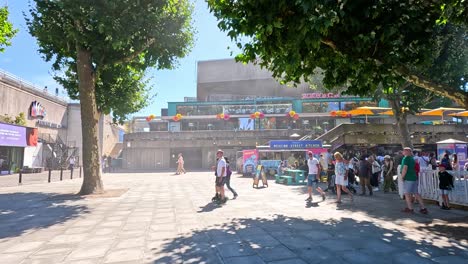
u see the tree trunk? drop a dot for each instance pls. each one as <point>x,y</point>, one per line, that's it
<point>89,124</point>
<point>401,123</point>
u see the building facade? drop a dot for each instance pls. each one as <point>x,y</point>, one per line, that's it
<point>56,122</point>
<point>228,94</point>
<point>242,107</point>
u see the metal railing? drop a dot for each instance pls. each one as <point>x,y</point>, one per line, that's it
<point>45,176</point>
<point>428,186</point>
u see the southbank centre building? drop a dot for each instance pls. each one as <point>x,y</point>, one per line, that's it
<point>241,106</point>
<point>237,107</point>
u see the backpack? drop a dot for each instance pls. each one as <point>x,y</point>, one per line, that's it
<point>228,170</point>
<point>417,168</point>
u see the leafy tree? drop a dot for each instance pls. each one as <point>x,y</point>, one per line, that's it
<point>361,44</point>
<point>449,62</point>
<point>7,32</point>
<point>104,47</point>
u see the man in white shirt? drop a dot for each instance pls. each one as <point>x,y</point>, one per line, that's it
<point>220,175</point>
<point>312,178</point>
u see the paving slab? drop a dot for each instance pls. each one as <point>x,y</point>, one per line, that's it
<point>162,218</point>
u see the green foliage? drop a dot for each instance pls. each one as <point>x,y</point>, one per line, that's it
<point>7,32</point>
<point>20,119</point>
<point>360,44</point>
<point>125,37</point>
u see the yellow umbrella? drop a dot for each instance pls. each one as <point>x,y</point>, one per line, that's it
<point>361,111</point>
<point>388,112</point>
<point>460,114</point>
<point>440,111</point>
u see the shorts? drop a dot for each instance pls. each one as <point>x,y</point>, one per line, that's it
<point>312,180</point>
<point>220,181</point>
<point>445,192</point>
<point>410,186</point>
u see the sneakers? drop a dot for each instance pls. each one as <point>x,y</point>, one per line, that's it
<point>309,199</point>
<point>235,196</point>
<point>424,211</point>
<point>376,189</point>
<point>407,210</point>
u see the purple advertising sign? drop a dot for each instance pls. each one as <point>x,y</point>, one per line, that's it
<point>14,136</point>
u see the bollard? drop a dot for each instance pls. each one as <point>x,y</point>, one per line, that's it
<point>61,173</point>
<point>20,180</point>
<point>50,173</point>
<point>71,173</point>
<point>80,171</point>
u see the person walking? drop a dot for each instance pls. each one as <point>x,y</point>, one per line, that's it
<point>410,182</point>
<point>228,178</point>
<point>71,164</point>
<point>312,178</point>
<point>388,172</point>
<point>220,176</point>
<point>180,164</point>
<point>341,177</point>
<point>364,173</point>
<point>445,186</point>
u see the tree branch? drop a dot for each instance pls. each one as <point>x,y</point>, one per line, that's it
<point>132,56</point>
<point>457,95</point>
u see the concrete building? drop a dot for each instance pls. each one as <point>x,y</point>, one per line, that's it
<point>195,128</point>
<point>56,121</point>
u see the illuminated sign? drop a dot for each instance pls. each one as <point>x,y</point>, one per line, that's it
<point>37,110</point>
<point>319,95</point>
<point>295,144</point>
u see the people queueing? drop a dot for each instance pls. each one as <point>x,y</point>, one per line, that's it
<point>376,169</point>
<point>446,161</point>
<point>389,170</point>
<point>365,173</point>
<point>410,182</point>
<point>445,186</point>
<point>455,165</point>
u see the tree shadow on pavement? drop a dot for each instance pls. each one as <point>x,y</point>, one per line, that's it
<point>296,240</point>
<point>21,212</point>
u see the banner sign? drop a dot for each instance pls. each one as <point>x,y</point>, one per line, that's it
<point>37,110</point>
<point>14,136</point>
<point>250,159</point>
<point>250,109</point>
<point>295,144</point>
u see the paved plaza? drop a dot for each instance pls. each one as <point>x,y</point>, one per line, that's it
<point>166,218</point>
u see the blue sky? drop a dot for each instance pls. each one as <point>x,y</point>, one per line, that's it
<point>23,60</point>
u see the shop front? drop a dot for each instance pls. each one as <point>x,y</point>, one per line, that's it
<point>13,140</point>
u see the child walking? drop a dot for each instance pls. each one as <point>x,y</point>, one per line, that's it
<point>445,186</point>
